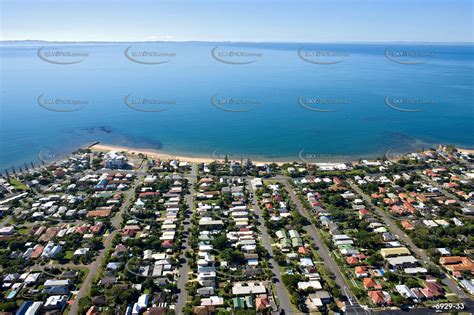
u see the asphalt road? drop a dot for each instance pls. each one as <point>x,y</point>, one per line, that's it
<point>394,229</point>
<point>352,306</point>
<point>444,191</point>
<point>184,269</point>
<point>281,292</point>
<point>116,222</point>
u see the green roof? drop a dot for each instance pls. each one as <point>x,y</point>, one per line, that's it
<point>284,242</point>
<point>296,242</point>
<point>293,233</point>
<point>238,302</point>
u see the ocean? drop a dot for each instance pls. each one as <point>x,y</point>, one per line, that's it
<point>266,101</point>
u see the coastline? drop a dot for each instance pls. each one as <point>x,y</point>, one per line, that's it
<point>464,150</point>
<point>259,160</point>
<point>149,152</point>
<point>166,156</point>
<point>99,147</point>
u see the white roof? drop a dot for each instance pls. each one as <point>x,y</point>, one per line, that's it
<point>212,300</point>
<point>415,270</point>
<point>7,230</point>
<point>401,260</point>
<point>310,284</point>
<point>32,277</point>
<point>339,237</point>
<point>54,282</point>
<point>244,288</point>
<point>306,262</point>
<point>34,308</point>
<point>404,291</point>
<point>143,300</point>
<point>55,300</point>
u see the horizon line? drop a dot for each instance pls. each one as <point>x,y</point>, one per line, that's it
<point>230,41</point>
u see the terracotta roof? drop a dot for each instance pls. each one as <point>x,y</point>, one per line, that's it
<point>457,263</point>
<point>261,303</point>
<point>352,260</point>
<point>371,283</point>
<point>98,213</point>
<point>377,297</point>
<point>302,250</point>
<point>93,310</point>
<point>360,270</point>
<point>407,225</point>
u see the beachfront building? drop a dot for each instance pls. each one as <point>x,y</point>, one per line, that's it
<point>115,160</point>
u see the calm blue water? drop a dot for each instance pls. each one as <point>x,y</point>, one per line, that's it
<point>271,122</point>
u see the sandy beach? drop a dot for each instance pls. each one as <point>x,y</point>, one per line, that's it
<point>199,159</point>
<point>163,156</point>
<point>469,151</point>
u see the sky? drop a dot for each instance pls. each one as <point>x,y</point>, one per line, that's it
<point>238,20</point>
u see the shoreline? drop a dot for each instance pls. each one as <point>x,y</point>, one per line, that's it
<point>98,147</point>
<point>165,156</point>
<point>464,150</point>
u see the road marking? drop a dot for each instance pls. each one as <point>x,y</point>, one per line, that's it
<point>348,296</point>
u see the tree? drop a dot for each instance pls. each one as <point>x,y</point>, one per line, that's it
<point>220,242</point>
<point>117,296</point>
<point>399,300</point>
<point>434,271</point>
<point>291,281</point>
<point>84,304</point>
<point>96,163</point>
<point>232,256</point>
<point>411,282</point>
<point>298,219</point>
<point>337,200</point>
<point>15,245</point>
<point>391,277</point>
<point>375,260</point>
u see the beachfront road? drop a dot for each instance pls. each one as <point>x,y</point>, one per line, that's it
<point>352,305</point>
<point>116,223</point>
<point>281,292</point>
<point>394,229</point>
<point>184,269</point>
